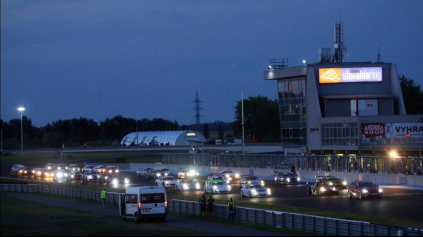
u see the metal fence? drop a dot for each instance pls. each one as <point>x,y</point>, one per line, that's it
<point>348,163</point>
<point>285,220</point>
<point>298,222</point>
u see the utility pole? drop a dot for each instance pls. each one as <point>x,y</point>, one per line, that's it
<point>242,109</point>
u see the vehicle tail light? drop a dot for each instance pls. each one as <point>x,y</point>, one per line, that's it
<point>139,206</point>
<point>165,204</point>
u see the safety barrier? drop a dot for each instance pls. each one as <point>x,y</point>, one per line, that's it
<point>298,222</point>
<point>285,220</point>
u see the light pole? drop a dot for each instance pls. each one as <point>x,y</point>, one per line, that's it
<point>21,109</point>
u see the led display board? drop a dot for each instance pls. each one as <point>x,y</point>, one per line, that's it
<point>356,74</point>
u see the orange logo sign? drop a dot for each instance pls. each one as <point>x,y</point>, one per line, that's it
<point>329,75</point>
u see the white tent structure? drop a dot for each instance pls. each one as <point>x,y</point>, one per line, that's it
<point>162,138</point>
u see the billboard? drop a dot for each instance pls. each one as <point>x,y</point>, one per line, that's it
<point>391,133</point>
<point>357,74</point>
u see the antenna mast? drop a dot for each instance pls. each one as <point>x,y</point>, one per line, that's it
<point>379,58</point>
<point>197,112</point>
<point>339,43</point>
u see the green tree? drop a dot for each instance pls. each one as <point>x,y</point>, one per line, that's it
<point>261,119</point>
<point>412,95</point>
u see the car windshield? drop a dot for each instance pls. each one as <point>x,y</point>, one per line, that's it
<point>255,186</point>
<point>251,178</point>
<point>367,184</point>
<point>168,178</point>
<point>335,180</point>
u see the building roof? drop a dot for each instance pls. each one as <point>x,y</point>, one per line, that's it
<point>157,138</point>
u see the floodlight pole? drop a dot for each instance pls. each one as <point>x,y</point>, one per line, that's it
<point>21,109</point>
<point>242,109</point>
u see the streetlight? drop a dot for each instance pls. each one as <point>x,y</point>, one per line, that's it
<point>21,109</point>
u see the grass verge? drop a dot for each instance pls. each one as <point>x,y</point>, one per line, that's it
<point>32,219</point>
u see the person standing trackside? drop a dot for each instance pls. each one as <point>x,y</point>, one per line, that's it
<point>210,204</point>
<point>231,208</point>
<point>103,197</point>
<point>203,205</point>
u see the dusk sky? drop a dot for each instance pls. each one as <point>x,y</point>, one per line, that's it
<point>97,59</point>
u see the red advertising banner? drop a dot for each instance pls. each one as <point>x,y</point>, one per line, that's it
<point>373,129</point>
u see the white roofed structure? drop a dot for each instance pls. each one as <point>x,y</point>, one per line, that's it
<point>162,138</point>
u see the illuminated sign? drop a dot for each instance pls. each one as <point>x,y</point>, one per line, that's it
<point>191,134</point>
<point>358,74</point>
<point>373,129</point>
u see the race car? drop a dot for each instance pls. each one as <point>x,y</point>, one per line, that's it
<point>74,175</point>
<point>113,179</point>
<point>90,176</point>
<point>364,189</point>
<point>255,189</point>
<point>218,177</point>
<point>166,181</point>
<point>60,174</point>
<point>321,188</point>
<point>247,179</point>
<point>112,169</point>
<point>286,178</point>
<point>232,176</point>
<point>217,186</point>
<point>336,182</point>
<point>187,185</point>
<point>188,173</point>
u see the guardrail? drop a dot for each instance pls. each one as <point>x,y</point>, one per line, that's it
<point>285,220</point>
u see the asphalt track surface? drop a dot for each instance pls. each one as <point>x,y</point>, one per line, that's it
<point>398,202</point>
<point>173,221</point>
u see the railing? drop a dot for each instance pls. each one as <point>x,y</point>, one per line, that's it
<point>285,220</point>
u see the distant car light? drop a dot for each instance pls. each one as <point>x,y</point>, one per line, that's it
<point>380,190</point>
<point>365,191</point>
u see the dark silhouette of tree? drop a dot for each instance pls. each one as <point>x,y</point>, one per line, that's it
<point>412,95</point>
<point>206,131</point>
<point>220,131</point>
<point>261,119</point>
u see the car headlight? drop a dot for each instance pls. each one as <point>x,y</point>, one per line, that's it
<point>298,179</point>
<point>166,182</point>
<point>344,182</point>
<point>322,189</point>
<point>158,174</point>
<point>197,185</point>
<point>185,186</point>
<point>72,176</point>
<point>126,180</point>
<point>117,171</point>
<point>330,183</point>
<point>268,191</point>
<point>166,174</point>
<point>254,191</point>
<point>90,176</point>
<point>365,191</point>
<point>227,176</point>
<point>288,180</point>
<point>115,181</point>
<point>380,190</point>
<point>229,187</point>
<point>262,182</point>
<point>59,175</point>
<point>191,173</point>
<point>214,187</point>
<point>236,175</point>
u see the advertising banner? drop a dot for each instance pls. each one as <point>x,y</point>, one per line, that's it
<point>391,133</point>
<point>373,129</point>
<point>342,75</point>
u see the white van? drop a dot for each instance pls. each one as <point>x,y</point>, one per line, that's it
<point>143,202</point>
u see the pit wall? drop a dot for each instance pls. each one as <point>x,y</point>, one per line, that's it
<point>305,175</point>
